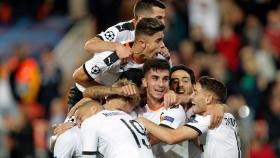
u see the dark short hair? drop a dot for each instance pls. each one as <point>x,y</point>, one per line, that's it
<point>155,64</point>
<point>147,5</point>
<point>184,68</point>
<point>214,86</point>
<point>133,74</point>
<point>148,26</point>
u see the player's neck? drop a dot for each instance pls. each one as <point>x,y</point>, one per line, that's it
<point>113,104</point>
<point>153,103</point>
<point>136,58</point>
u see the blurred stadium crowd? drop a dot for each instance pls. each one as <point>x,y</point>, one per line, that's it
<point>235,41</point>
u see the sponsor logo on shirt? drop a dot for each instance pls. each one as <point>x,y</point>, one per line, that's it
<point>112,58</point>
<point>194,121</point>
<point>112,114</point>
<point>168,118</point>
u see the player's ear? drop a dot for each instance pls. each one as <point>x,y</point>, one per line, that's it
<point>209,99</point>
<point>144,82</point>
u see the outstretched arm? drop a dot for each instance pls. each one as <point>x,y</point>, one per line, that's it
<point>101,91</point>
<point>167,135</point>
<point>96,45</point>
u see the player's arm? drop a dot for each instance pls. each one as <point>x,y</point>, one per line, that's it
<point>81,77</point>
<point>108,41</point>
<point>96,45</point>
<point>168,135</point>
<point>172,118</point>
<point>86,74</point>
<point>217,113</point>
<point>101,91</point>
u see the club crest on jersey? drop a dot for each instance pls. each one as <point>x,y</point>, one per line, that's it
<point>161,117</point>
<point>95,70</point>
<point>109,35</point>
<point>168,118</point>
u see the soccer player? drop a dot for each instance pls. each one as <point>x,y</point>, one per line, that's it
<point>156,82</point>
<point>112,39</point>
<point>105,68</point>
<point>72,137</point>
<point>222,141</point>
<point>112,132</point>
<point>69,142</point>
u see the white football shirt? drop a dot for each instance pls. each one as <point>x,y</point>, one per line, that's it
<point>222,141</point>
<point>69,144</point>
<point>172,117</point>
<point>121,32</point>
<point>114,134</point>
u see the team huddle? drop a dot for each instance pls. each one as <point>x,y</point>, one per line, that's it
<point>128,100</point>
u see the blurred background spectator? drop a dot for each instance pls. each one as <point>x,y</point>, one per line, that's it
<point>41,43</point>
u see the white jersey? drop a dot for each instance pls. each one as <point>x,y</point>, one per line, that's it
<point>193,150</point>
<point>106,68</point>
<point>69,144</point>
<point>171,118</point>
<point>114,134</point>
<point>121,32</point>
<point>222,141</point>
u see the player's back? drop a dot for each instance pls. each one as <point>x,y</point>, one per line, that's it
<point>223,141</point>
<point>119,136</point>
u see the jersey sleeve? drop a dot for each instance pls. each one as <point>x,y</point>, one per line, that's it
<point>199,123</point>
<point>64,151</point>
<point>173,117</point>
<point>110,35</point>
<point>89,139</point>
<point>99,63</point>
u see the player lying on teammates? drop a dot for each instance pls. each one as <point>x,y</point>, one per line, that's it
<point>105,67</point>
<point>112,39</point>
<point>97,122</point>
<point>222,141</point>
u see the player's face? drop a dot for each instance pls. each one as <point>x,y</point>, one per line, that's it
<point>199,99</point>
<point>153,45</point>
<point>181,82</point>
<point>158,13</point>
<point>156,83</point>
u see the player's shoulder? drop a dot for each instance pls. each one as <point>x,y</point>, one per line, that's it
<point>177,111</point>
<point>125,25</point>
<point>67,136</point>
<point>178,108</point>
<point>201,119</point>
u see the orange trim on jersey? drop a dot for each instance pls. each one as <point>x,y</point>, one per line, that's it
<point>154,108</point>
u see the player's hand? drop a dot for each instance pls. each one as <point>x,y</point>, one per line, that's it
<point>169,99</point>
<point>61,128</point>
<point>217,113</point>
<point>122,51</point>
<point>129,90</point>
<point>76,106</point>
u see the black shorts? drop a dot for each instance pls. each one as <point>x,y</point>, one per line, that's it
<point>75,95</point>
